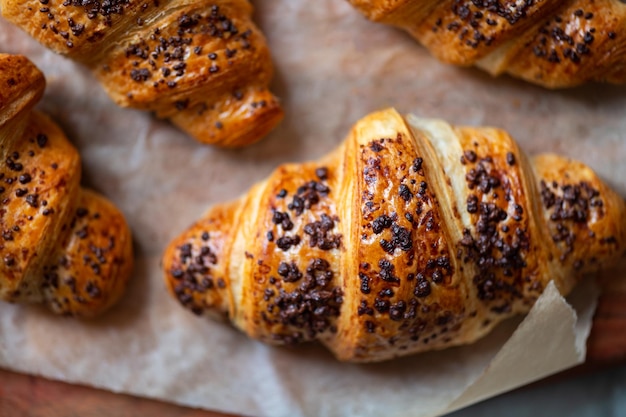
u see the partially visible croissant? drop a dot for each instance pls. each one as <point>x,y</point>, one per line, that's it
<point>202,64</point>
<point>552,43</point>
<point>61,245</point>
<point>413,235</point>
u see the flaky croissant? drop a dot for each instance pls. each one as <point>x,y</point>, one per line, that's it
<point>552,43</point>
<point>61,245</point>
<point>202,64</point>
<point>413,235</point>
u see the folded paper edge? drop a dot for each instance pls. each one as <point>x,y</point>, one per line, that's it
<point>497,377</point>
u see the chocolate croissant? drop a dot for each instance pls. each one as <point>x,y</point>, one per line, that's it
<point>555,44</point>
<point>202,64</point>
<point>61,245</point>
<point>413,235</point>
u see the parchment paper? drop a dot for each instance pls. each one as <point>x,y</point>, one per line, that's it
<point>333,67</point>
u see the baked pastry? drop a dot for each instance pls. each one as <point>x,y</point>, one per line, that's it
<point>555,44</point>
<point>202,64</point>
<point>413,235</point>
<point>62,245</point>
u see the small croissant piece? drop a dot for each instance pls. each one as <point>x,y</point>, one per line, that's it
<point>61,245</point>
<point>413,235</point>
<point>552,43</point>
<point>202,64</point>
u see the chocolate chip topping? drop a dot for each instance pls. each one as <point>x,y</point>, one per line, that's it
<point>305,204</point>
<point>510,158</point>
<point>42,140</point>
<point>381,223</point>
<point>405,193</point>
<point>289,272</point>
<point>570,207</point>
<point>401,229</point>
<point>306,309</point>
<point>285,243</point>
<point>162,58</point>
<point>95,8</point>
<point>566,38</point>
<point>477,23</point>
<point>320,235</point>
<point>497,250</point>
<point>193,272</point>
<point>322,173</point>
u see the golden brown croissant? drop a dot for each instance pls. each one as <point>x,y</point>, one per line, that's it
<point>202,64</point>
<point>412,235</point>
<point>552,43</point>
<point>61,245</point>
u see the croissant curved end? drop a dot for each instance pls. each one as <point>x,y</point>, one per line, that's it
<point>91,272</point>
<point>584,217</point>
<point>241,122</point>
<point>196,262</point>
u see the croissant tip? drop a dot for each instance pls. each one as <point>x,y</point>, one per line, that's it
<point>233,124</point>
<point>96,262</point>
<point>195,264</point>
<point>21,86</point>
<point>254,130</point>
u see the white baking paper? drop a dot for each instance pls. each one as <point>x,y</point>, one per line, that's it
<point>332,67</point>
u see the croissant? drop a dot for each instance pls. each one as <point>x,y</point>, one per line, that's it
<point>413,235</point>
<point>552,43</point>
<point>61,245</point>
<point>202,64</point>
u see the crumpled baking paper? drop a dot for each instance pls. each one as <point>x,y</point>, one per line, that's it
<point>332,67</point>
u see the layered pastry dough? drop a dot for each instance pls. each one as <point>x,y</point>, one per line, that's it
<point>202,64</point>
<point>553,43</point>
<point>413,235</point>
<point>61,245</point>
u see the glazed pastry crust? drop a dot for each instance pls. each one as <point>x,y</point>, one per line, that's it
<point>552,43</point>
<point>413,235</point>
<point>61,245</point>
<point>202,64</point>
